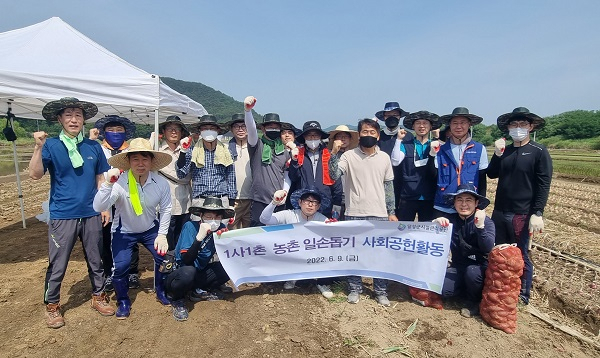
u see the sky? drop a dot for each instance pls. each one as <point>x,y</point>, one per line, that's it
<point>340,61</point>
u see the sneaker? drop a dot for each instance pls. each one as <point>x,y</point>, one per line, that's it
<point>100,304</point>
<point>180,312</point>
<point>353,297</point>
<point>200,295</point>
<point>225,288</point>
<point>470,311</point>
<point>53,317</point>
<point>288,285</point>
<point>108,285</point>
<point>134,280</point>
<point>383,300</point>
<point>325,291</point>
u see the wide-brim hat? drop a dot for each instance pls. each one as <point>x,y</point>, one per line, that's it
<point>236,118</point>
<point>433,118</point>
<point>520,113</point>
<point>470,189</point>
<point>214,204</point>
<point>208,119</point>
<point>343,128</point>
<point>311,126</point>
<point>126,123</point>
<point>161,159</point>
<point>461,112</point>
<point>390,106</point>
<point>174,119</point>
<point>274,118</point>
<point>296,195</point>
<point>51,109</point>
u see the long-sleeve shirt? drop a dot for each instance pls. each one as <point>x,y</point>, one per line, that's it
<point>181,189</point>
<point>267,216</point>
<point>210,180</point>
<point>154,193</point>
<point>524,175</point>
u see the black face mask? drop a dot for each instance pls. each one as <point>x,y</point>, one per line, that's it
<point>272,135</point>
<point>367,141</point>
<point>392,122</point>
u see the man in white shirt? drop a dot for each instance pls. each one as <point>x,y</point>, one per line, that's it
<point>238,146</point>
<point>136,195</point>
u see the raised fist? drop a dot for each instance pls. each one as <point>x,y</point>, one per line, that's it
<point>279,197</point>
<point>479,219</point>
<point>499,146</point>
<point>40,138</point>
<point>435,147</point>
<point>94,133</point>
<point>401,134</point>
<point>249,103</point>
<point>112,175</point>
<point>337,145</point>
<point>204,230</point>
<point>185,144</point>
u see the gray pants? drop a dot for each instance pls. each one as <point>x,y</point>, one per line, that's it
<point>62,236</point>
<point>355,282</point>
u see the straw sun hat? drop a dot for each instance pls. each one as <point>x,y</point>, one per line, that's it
<point>137,145</point>
<point>344,128</point>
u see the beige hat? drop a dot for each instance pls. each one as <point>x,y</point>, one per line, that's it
<point>344,128</point>
<point>121,161</point>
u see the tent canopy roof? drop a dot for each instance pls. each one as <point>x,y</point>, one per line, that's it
<point>51,60</point>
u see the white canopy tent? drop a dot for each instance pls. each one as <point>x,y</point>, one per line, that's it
<point>51,60</point>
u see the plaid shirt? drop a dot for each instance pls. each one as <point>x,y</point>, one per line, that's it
<point>210,180</point>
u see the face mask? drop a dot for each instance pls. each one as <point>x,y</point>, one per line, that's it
<point>214,224</point>
<point>367,141</point>
<point>392,122</point>
<point>209,135</point>
<point>313,144</point>
<point>115,139</point>
<point>518,134</point>
<point>272,134</point>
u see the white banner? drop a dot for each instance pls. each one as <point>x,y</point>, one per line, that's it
<point>413,253</point>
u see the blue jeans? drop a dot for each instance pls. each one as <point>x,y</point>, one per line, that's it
<point>513,228</point>
<point>122,245</point>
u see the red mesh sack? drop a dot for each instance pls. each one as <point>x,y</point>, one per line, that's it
<point>502,287</point>
<point>426,298</point>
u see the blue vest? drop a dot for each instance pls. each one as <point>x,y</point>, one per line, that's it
<point>451,174</point>
<point>417,181</point>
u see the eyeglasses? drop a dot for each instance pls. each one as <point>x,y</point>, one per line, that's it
<point>523,124</point>
<point>311,202</point>
<point>173,129</point>
<point>235,127</point>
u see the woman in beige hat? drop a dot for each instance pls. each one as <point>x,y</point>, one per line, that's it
<point>345,139</point>
<point>136,194</point>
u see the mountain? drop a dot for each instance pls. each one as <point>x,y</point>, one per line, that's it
<point>215,102</point>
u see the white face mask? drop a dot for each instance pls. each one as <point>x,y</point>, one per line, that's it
<point>518,134</point>
<point>214,224</point>
<point>209,135</point>
<point>313,144</point>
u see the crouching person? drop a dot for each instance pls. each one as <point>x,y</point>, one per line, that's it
<point>473,236</point>
<point>193,254</point>
<point>136,195</point>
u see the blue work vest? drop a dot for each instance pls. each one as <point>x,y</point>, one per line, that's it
<point>451,174</point>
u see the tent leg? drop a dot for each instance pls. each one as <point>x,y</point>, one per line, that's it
<point>19,184</point>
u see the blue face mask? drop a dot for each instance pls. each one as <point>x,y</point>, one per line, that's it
<point>115,139</point>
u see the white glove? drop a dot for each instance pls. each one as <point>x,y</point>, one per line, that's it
<point>499,146</point>
<point>161,245</point>
<point>442,221</point>
<point>185,144</point>
<point>112,175</point>
<point>204,230</point>
<point>435,148</point>
<point>536,225</point>
<point>291,145</point>
<point>401,134</point>
<point>279,197</point>
<point>249,103</point>
<point>479,219</point>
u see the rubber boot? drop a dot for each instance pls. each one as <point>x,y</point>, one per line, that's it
<point>159,287</point>
<point>123,303</point>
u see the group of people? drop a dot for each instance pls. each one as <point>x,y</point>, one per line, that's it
<point>172,198</point>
